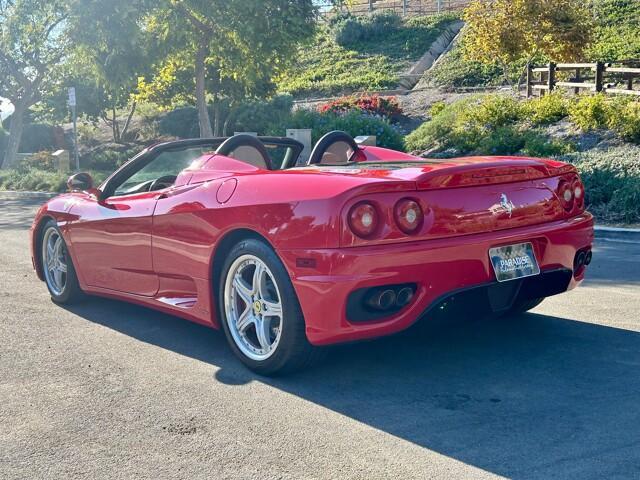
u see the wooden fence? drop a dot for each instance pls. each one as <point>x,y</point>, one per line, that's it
<point>403,7</point>
<point>617,79</point>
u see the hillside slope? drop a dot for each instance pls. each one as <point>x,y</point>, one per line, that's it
<point>361,54</point>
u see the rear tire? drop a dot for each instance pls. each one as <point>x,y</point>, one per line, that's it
<point>260,313</point>
<point>57,266</point>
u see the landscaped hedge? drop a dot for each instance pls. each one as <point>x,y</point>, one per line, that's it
<point>501,124</point>
<point>354,123</point>
<point>612,182</point>
<point>484,125</point>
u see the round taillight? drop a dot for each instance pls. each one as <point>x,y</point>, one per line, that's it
<point>578,192</point>
<point>565,193</point>
<point>363,219</point>
<point>408,215</point>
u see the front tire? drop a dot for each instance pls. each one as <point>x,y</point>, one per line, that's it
<point>57,266</point>
<point>260,313</point>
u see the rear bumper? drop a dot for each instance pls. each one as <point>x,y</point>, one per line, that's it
<point>438,268</point>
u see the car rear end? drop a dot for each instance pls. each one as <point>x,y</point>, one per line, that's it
<point>487,233</point>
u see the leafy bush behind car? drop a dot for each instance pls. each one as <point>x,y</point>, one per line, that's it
<point>259,116</point>
<point>483,125</point>
<point>353,122</point>
<point>501,124</point>
<point>612,182</point>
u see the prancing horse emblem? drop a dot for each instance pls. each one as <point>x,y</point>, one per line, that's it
<point>506,204</point>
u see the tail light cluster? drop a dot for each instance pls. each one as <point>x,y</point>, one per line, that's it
<point>365,218</point>
<point>571,194</point>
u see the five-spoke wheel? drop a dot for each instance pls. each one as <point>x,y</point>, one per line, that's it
<point>57,267</point>
<point>54,261</point>
<point>253,306</point>
<point>260,313</point>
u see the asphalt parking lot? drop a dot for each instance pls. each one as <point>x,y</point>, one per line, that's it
<point>110,390</point>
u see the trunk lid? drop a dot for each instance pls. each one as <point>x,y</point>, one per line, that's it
<point>470,195</point>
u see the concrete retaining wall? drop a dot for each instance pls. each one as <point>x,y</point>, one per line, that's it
<point>438,47</point>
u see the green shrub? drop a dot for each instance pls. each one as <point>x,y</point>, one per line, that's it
<point>350,29</point>
<point>261,116</point>
<point>444,130</point>
<point>546,109</point>
<point>625,119</point>
<point>37,137</point>
<point>612,182</point>
<point>436,108</point>
<point>503,140</point>
<point>108,157</point>
<point>39,180</point>
<point>181,123</point>
<point>33,180</point>
<point>494,111</point>
<point>38,161</point>
<point>590,112</point>
<point>476,124</point>
<point>536,144</point>
<point>353,123</point>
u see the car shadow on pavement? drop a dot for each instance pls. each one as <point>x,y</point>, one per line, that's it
<point>532,396</point>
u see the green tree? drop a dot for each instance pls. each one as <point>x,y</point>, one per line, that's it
<point>220,48</point>
<point>32,45</point>
<point>509,31</point>
<point>111,50</point>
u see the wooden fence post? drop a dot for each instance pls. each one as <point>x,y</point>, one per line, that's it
<point>551,81</point>
<point>576,90</point>
<point>529,80</point>
<point>599,76</point>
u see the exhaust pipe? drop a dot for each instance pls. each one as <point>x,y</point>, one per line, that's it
<point>382,299</point>
<point>404,297</point>
<point>579,261</point>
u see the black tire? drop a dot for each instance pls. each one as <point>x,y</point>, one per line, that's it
<point>524,306</point>
<point>293,352</point>
<point>71,293</point>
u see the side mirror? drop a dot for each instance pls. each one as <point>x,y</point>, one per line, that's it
<point>80,182</point>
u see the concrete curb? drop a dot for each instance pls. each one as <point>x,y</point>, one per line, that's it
<point>617,234</point>
<point>21,193</point>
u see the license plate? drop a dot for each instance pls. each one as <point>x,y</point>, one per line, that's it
<point>514,261</point>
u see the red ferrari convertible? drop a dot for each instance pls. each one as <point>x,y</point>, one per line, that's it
<point>357,242</point>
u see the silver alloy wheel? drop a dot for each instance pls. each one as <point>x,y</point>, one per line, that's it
<point>253,307</point>
<point>54,261</point>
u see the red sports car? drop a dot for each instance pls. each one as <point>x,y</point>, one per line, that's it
<point>356,242</point>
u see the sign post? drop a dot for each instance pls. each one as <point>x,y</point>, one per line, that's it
<point>72,104</point>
